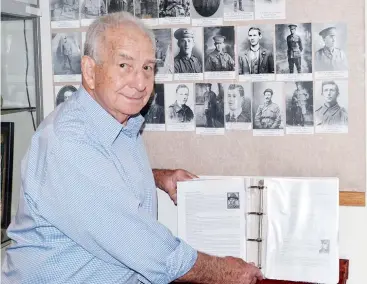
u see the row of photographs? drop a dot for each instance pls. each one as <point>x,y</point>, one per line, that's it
<point>269,108</point>
<point>225,52</point>
<point>66,13</point>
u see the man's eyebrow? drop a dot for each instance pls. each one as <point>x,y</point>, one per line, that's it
<point>151,61</point>
<point>125,56</point>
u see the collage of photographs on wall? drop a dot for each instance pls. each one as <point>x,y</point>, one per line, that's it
<point>273,79</point>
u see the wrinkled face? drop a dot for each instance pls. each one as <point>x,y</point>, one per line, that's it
<point>182,96</point>
<point>234,99</point>
<point>267,97</point>
<point>330,41</point>
<point>329,93</point>
<point>186,45</point>
<point>124,76</point>
<point>254,37</point>
<point>219,46</point>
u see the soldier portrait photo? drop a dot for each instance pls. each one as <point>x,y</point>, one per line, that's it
<point>255,45</point>
<point>187,50</point>
<point>179,102</point>
<point>146,9</point>
<point>153,112</point>
<point>238,6</point>
<point>120,5</point>
<point>237,101</point>
<point>91,9</point>
<point>219,49</point>
<point>332,103</point>
<point>293,48</point>
<point>330,47</point>
<point>233,200</point>
<point>267,105</point>
<point>205,8</point>
<point>174,8</point>
<point>66,54</point>
<point>299,103</point>
<point>64,94</point>
<point>163,51</point>
<point>209,105</point>
<point>64,10</point>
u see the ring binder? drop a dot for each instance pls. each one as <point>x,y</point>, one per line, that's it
<point>260,212</point>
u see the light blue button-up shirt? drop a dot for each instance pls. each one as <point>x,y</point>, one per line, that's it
<point>87,211</point>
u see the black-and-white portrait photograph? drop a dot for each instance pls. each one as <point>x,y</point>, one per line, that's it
<point>163,52</point>
<point>146,9</point>
<point>66,54</point>
<point>330,46</point>
<point>219,49</point>
<point>255,47</point>
<point>293,48</point>
<point>153,112</point>
<point>238,6</point>
<point>174,8</point>
<point>209,105</point>
<point>91,9</point>
<point>269,9</point>
<point>187,50</point>
<point>233,200</point>
<point>206,9</point>
<point>237,105</point>
<point>268,105</point>
<point>63,93</point>
<point>64,10</point>
<point>299,103</point>
<point>331,106</point>
<point>120,5</point>
<point>324,246</point>
<point>179,105</point>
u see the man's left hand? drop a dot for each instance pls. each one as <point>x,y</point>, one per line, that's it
<point>167,180</point>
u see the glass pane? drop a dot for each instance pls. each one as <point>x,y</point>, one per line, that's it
<point>17,63</point>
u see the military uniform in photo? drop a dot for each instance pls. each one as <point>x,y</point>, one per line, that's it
<point>174,9</point>
<point>183,63</point>
<point>299,106</point>
<point>259,61</point>
<point>67,52</point>
<point>330,59</point>
<point>268,116</point>
<point>180,113</point>
<point>294,51</point>
<point>219,60</point>
<point>238,117</point>
<point>334,115</point>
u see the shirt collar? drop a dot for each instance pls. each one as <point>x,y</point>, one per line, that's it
<point>107,126</point>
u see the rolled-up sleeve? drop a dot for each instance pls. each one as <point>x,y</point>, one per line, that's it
<point>87,198</point>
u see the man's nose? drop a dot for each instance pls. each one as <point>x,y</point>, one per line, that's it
<point>138,80</point>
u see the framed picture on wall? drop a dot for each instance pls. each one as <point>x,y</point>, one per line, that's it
<point>7,147</point>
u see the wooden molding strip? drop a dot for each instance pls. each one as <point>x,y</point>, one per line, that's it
<point>352,198</point>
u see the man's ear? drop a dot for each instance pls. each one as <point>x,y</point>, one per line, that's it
<point>88,66</point>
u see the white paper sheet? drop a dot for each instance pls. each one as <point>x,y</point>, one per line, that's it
<point>209,219</point>
<point>302,230</point>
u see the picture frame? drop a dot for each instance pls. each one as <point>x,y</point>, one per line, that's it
<point>7,150</point>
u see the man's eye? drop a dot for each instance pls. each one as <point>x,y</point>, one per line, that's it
<point>148,68</point>
<point>123,65</point>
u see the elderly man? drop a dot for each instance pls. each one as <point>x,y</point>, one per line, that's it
<point>218,59</point>
<point>295,49</point>
<point>236,100</point>
<point>179,111</point>
<point>87,210</point>
<point>330,113</point>
<point>185,61</point>
<point>256,59</point>
<point>268,114</point>
<point>330,58</point>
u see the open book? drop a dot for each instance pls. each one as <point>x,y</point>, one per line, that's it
<point>287,226</point>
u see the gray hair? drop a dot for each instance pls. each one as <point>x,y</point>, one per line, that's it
<point>98,28</point>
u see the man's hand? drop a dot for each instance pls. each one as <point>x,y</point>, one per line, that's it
<point>167,180</point>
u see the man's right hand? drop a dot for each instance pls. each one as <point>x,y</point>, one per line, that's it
<point>221,270</point>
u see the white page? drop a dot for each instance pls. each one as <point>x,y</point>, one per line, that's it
<point>302,229</point>
<point>206,218</point>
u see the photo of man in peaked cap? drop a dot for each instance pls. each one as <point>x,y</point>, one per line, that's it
<point>330,58</point>
<point>295,49</point>
<point>233,201</point>
<point>185,61</point>
<point>219,60</point>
